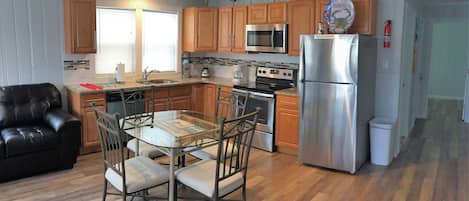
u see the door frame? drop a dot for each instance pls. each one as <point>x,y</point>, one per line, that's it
<point>405,85</point>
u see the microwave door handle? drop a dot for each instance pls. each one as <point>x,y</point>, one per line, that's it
<point>272,37</point>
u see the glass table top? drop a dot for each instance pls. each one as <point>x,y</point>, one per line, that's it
<point>175,129</point>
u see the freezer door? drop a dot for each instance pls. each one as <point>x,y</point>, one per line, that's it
<point>329,58</point>
<point>327,125</point>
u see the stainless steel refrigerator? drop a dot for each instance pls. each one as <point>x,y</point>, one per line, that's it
<point>336,86</point>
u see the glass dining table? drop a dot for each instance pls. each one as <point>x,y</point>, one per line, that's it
<point>176,133</point>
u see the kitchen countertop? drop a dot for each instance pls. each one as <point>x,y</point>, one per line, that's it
<point>134,85</point>
<point>288,92</point>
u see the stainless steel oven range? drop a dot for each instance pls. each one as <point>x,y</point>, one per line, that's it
<point>262,94</point>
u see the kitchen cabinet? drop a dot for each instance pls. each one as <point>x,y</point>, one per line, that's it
<point>277,13</point>
<point>161,99</point>
<point>80,105</point>
<point>198,96</point>
<point>240,17</point>
<point>225,26</point>
<point>365,16</point>
<point>180,97</point>
<point>287,124</point>
<point>80,26</point>
<point>300,21</point>
<point>210,99</point>
<point>271,13</point>
<point>257,14</point>
<point>225,93</point>
<point>200,28</point>
<point>231,29</point>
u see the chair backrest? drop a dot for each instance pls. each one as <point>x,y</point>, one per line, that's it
<point>230,104</point>
<point>138,107</point>
<point>111,141</point>
<point>236,138</point>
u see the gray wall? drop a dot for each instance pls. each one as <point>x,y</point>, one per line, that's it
<point>449,60</point>
<point>31,41</point>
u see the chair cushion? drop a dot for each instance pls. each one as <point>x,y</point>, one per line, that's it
<point>200,176</point>
<point>28,139</point>
<point>210,153</point>
<point>141,173</point>
<point>144,149</point>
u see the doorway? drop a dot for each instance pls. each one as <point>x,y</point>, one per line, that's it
<point>449,61</point>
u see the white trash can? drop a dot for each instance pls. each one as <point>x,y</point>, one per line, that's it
<point>381,141</point>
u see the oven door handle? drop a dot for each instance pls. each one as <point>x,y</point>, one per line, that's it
<point>251,93</point>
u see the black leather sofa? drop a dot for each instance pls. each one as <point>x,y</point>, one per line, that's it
<point>36,135</point>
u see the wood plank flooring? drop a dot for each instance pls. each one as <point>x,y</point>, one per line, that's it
<point>434,165</point>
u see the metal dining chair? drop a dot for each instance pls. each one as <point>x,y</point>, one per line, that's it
<point>217,178</point>
<point>139,109</point>
<point>229,105</point>
<point>131,177</point>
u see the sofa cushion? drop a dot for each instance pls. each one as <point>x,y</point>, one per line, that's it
<point>26,104</point>
<point>2,148</point>
<point>28,139</point>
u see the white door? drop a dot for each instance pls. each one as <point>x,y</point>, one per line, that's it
<point>404,121</point>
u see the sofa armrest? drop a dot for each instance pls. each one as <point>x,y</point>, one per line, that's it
<point>59,120</point>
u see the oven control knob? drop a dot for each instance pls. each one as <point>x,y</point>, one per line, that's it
<point>263,72</point>
<point>284,74</point>
<point>289,74</point>
<point>260,71</point>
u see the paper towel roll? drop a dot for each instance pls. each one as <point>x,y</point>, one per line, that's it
<point>120,69</point>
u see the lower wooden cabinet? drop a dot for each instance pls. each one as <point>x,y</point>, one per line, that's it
<point>198,94</point>
<point>287,124</point>
<point>80,106</point>
<point>181,103</point>
<point>210,99</point>
<point>90,137</point>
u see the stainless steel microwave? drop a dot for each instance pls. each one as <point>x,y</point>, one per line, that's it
<point>266,38</point>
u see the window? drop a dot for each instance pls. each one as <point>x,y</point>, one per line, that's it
<point>160,41</point>
<point>116,36</point>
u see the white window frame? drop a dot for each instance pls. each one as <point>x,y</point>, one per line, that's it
<point>139,43</point>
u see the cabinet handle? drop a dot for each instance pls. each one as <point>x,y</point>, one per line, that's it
<point>95,40</point>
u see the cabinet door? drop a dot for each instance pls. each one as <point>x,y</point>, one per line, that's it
<point>225,112</point>
<point>257,14</point>
<point>225,22</point>
<point>189,30</point>
<point>83,26</point>
<point>90,129</point>
<point>240,15</point>
<point>287,124</point>
<point>161,104</point>
<point>210,96</point>
<point>207,28</point>
<point>300,21</point>
<point>198,98</point>
<point>277,13</point>
<point>365,16</point>
<point>181,103</point>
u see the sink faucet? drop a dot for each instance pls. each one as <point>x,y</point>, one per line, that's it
<point>147,73</point>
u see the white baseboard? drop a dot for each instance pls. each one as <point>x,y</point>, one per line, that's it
<point>445,97</point>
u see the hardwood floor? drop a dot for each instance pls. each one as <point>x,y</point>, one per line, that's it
<point>434,165</point>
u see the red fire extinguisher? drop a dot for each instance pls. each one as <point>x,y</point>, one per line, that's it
<point>387,34</point>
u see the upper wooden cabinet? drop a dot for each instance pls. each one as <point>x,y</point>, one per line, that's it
<point>231,29</point>
<point>365,16</point>
<point>80,26</point>
<point>257,14</point>
<point>300,21</point>
<point>272,13</point>
<point>200,28</point>
<point>225,26</point>
<point>277,13</point>
<point>240,17</point>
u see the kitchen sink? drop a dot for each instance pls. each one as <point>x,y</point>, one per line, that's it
<point>157,81</point>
